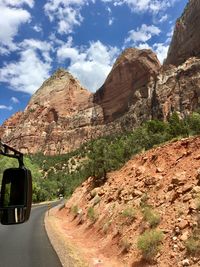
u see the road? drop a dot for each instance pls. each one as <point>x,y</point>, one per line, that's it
<point>27,245</point>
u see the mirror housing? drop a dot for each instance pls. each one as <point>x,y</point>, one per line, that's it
<point>16,196</point>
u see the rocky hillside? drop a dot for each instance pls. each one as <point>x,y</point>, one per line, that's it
<point>58,116</point>
<point>147,210</point>
<point>62,115</point>
<point>186,40</point>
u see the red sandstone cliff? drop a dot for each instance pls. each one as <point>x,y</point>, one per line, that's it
<point>186,37</point>
<point>57,119</point>
<point>129,83</point>
<point>62,115</point>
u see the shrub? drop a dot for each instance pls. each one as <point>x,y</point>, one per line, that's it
<point>92,215</point>
<point>194,123</point>
<point>129,212</point>
<point>177,126</point>
<point>149,243</point>
<point>96,200</point>
<point>106,226</point>
<point>125,244</point>
<point>144,200</point>
<point>74,210</point>
<point>152,217</point>
<point>193,242</point>
<point>193,245</point>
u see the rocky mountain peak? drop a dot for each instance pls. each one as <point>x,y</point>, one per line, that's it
<point>62,92</point>
<point>186,37</point>
<point>133,54</point>
<point>127,84</point>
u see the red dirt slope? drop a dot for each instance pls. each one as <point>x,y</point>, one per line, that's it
<point>168,179</point>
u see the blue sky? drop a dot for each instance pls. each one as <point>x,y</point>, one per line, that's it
<point>83,36</point>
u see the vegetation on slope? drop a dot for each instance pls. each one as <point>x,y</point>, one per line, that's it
<point>61,174</point>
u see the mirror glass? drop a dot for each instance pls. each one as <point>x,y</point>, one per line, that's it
<point>16,194</point>
<point>12,215</point>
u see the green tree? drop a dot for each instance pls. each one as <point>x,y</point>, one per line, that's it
<point>177,126</point>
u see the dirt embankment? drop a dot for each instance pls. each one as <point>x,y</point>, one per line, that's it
<point>106,222</point>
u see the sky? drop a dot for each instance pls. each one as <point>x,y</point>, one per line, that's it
<point>83,36</point>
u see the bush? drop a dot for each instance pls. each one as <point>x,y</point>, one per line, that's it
<point>193,242</point>
<point>74,210</point>
<point>129,212</point>
<point>193,245</point>
<point>149,243</point>
<point>125,244</point>
<point>106,226</point>
<point>194,123</point>
<point>92,215</point>
<point>177,126</point>
<point>152,217</point>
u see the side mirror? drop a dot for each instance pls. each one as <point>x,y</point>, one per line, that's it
<point>16,196</point>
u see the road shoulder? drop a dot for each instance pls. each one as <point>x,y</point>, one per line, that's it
<point>68,255</point>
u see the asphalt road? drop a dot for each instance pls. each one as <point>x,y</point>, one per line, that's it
<point>27,245</point>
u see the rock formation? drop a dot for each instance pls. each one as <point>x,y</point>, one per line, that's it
<point>57,119</point>
<point>129,83</point>
<point>177,89</point>
<point>186,37</point>
<point>62,115</point>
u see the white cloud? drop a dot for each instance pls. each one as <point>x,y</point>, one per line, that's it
<point>17,3</point>
<point>152,6</point>
<point>27,74</point>
<point>110,18</point>
<point>66,13</point>
<point>10,21</point>
<point>36,45</point>
<point>143,46</point>
<point>142,34</point>
<point>37,28</point>
<point>6,107</point>
<point>163,18</point>
<point>161,51</point>
<point>90,65</point>
<point>14,100</point>
<point>110,21</point>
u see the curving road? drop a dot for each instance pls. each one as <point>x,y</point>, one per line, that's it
<point>27,245</point>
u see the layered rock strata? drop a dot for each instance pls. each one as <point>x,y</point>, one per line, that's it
<point>186,38</point>
<point>59,116</point>
<point>62,115</point>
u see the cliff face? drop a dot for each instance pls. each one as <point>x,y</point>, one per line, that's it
<point>128,83</point>
<point>58,118</point>
<point>62,115</point>
<point>186,37</point>
<point>177,89</point>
